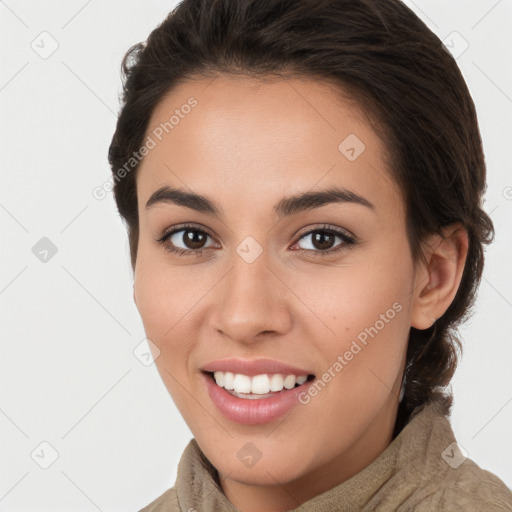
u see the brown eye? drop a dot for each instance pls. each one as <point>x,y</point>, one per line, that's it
<point>322,241</point>
<point>185,240</point>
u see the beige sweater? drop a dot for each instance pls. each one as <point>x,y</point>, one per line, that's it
<point>419,471</point>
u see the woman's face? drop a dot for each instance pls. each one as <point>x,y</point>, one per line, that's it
<point>274,276</point>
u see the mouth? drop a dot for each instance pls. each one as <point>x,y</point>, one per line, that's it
<point>255,391</point>
<point>257,387</point>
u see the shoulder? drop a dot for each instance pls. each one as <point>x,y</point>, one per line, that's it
<point>468,488</point>
<point>167,502</point>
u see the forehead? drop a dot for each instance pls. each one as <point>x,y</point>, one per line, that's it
<point>250,138</point>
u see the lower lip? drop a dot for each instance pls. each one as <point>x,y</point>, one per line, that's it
<point>256,411</point>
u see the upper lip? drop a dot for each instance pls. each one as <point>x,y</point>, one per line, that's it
<point>252,367</point>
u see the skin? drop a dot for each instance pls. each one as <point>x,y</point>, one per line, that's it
<point>246,145</point>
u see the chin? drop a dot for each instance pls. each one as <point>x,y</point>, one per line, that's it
<point>268,473</point>
<point>254,460</point>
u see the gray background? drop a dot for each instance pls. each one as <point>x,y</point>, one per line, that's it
<point>69,377</point>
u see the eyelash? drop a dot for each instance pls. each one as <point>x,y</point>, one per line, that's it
<point>348,241</point>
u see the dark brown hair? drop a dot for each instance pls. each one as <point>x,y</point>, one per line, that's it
<point>401,76</point>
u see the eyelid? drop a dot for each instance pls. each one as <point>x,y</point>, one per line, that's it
<point>182,227</point>
<point>328,227</point>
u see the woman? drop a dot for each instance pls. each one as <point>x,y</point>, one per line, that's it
<point>302,185</point>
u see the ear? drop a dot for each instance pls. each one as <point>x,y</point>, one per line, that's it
<point>437,280</point>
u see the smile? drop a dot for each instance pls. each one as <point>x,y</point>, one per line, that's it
<point>255,399</point>
<point>258,386</point>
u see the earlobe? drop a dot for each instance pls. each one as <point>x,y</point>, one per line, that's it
<point>437,282</point>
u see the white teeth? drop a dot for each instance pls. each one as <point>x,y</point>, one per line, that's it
<point>289,381</point>
<point>276,382</point>
<point>229,379</point>
<point>219,378</point>
<point>301,380</point>
<point>242,383</point>
<point>259,384</point>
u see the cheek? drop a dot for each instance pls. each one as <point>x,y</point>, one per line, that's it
<point>156,305</point>
<point>161,306</point>
<point>163,309</point>
<point>353,297</point>
<point>168,299</point>
<point>163,293</point>
<point>367,309</point>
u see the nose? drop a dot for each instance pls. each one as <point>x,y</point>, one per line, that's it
<point>250,303</point>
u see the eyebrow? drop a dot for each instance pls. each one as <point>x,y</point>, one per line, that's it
<point>284,208</point>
